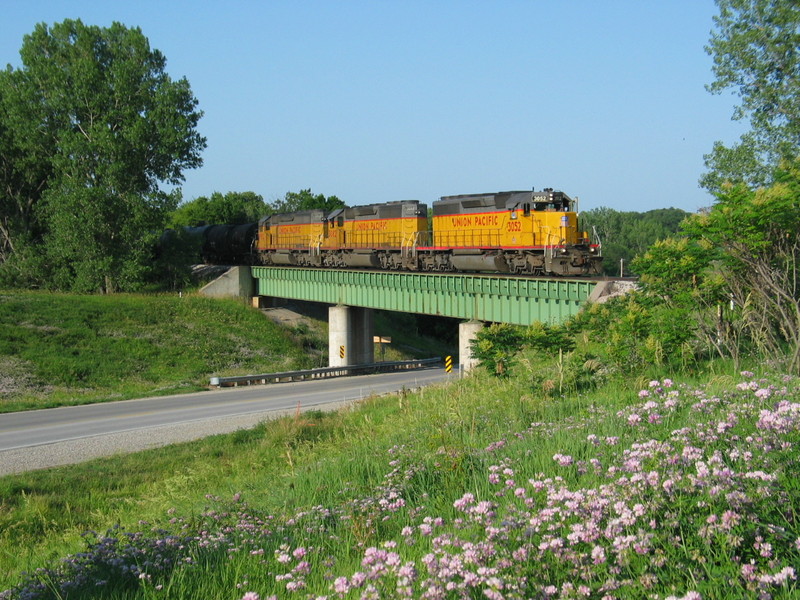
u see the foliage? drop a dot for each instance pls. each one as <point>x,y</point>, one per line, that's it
<point>731,277</point>
<point>675,267</point>
<point>175,251</point>
<point>233,208</point>
<point>754,48</point>
<point>92,125</point>
<point>305,200</point>
<point>639,331</point>
<point>625,235</point>
<point>568,373</point>
<point>495,347</point>
<point>756,233</point>
<point>551,339</point>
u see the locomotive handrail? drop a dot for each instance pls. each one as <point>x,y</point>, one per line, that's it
<point>315,245</point>
<point>322,373</point>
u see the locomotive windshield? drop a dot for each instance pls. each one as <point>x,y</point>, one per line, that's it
<point>552,202</point>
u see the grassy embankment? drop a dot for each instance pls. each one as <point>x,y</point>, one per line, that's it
<point>484,488</point>
<point>58,350</point>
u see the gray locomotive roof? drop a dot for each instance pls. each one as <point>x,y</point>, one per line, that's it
<point>493,201</point>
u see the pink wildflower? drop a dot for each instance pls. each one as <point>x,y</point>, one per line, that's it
<point>563,459</point>
<point>598,555</point>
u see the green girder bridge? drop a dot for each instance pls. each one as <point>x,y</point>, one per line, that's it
<point>492,298</point>
<point>473,298</point>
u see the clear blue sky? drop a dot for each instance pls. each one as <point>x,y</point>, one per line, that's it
<point>380,100</point>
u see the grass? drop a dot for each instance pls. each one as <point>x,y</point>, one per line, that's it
<point>498,488</point>
<point>323,497</point>
<point>58,349</point>
<point>63,349</point>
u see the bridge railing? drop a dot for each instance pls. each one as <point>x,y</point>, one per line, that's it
<point>382,367</point>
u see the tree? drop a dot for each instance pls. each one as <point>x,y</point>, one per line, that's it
<point>233,208</point>
<point>625,235</point>
<point>733,273</point>
<point>305,200</point>
<point>24,166</point>
<point>495,347</point>
<point>756,232</point>
<point>755,50</point>
<point>93,126</point>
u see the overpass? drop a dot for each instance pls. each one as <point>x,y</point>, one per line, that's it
<point>474,298</point>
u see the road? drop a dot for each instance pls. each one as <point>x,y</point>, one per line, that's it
<point>44,438</point>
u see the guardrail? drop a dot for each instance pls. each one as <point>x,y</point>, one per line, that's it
<point>322,373</point>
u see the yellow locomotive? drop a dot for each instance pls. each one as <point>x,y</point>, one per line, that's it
<point>376,236</point>
<point>517,232</point>
<point>533,233</point>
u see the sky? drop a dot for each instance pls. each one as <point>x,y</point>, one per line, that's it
<point>382,100</point>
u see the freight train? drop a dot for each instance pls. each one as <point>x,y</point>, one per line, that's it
<point>526,233</point>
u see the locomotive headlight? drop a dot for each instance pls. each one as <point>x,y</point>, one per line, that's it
<point>563,251</point>
<point>593,250</point>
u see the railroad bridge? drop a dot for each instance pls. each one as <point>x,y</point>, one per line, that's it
<point>353,294</point>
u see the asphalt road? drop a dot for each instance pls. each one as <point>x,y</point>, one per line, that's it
<point>44,438</point>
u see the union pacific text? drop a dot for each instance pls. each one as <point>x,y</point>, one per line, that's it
<point>464,221</point>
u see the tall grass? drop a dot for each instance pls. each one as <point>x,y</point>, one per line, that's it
<point>480,489</point>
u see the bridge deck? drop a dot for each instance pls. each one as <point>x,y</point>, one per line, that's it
<point>491,298</point>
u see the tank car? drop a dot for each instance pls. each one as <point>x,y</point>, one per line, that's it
<point>225,244</point>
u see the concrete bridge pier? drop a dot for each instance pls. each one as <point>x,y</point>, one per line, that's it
<point>467,332</point>
<point>350,336</point>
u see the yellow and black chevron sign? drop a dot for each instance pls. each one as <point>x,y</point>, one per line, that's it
<point>448,363</point>
<point>341,351</point>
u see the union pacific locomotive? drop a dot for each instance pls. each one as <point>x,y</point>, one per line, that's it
<point>531,233</point>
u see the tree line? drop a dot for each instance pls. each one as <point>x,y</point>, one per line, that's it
<point>235,208</point>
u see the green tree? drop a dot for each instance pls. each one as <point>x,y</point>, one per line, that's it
<point>626,235</point>
<point>24,166</point>
<point>495,347</point>
<point>305,200</point>
<point>754,46</point>
<point>756,234</point>
<point>233,208</point>
<point>96,126</point>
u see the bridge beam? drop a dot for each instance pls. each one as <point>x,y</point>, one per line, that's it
<point>491,299</point>
<point>350,336</point>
